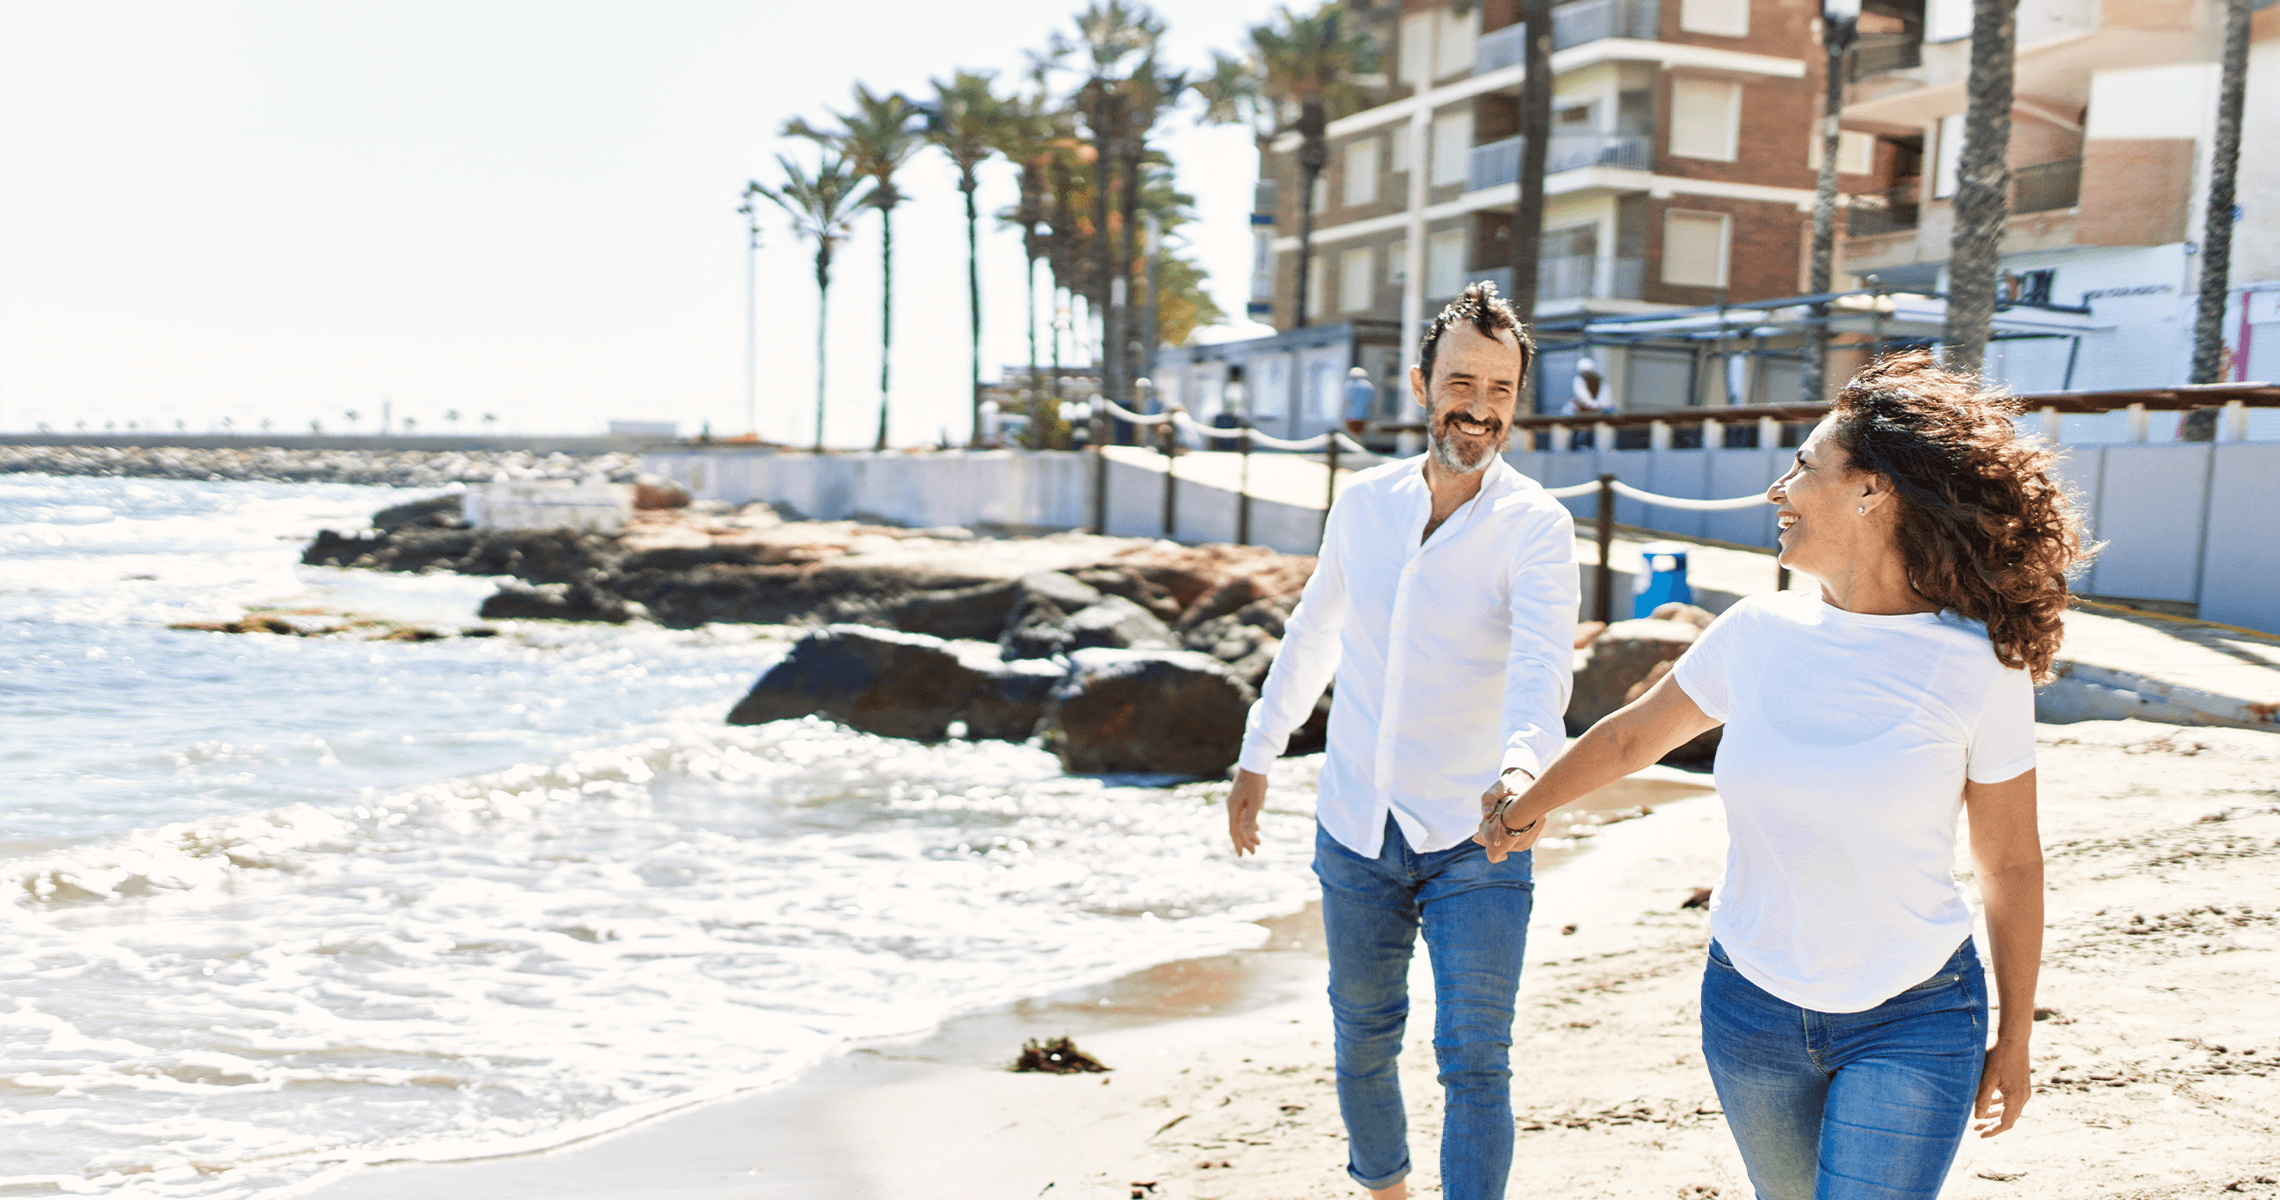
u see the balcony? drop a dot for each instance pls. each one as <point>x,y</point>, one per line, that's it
<point>1496,164</point>
<point>2047,186</point>
<point>1572,25</point>
<point>1877,53</point>
<point>1890,211</point>
<point>1572,277</point>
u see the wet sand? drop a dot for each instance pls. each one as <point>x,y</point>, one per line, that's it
<point>2158,1057</point>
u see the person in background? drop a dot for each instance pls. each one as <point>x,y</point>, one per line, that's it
<point>1234,409</point>
<point>1444,603</point>
<point>1589,391</point>
<point>1844,1007</point>
<point>1361,397</point>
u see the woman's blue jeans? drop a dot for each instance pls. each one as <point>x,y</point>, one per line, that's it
<point>1847,1106</point>
<point>1475,917</point>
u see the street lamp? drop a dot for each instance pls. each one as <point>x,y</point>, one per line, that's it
<point>751,308</point>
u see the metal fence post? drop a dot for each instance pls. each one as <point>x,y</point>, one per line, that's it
<point>1603,581</point>
<point>1330,491</point>
<point>1170,434</point>
<point>1243,489</point>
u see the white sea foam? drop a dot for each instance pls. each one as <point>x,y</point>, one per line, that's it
<point>274,905</point>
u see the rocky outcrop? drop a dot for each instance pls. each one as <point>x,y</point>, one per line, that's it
<point>557,602</point>
<point>902,685</point>
<point>1156,712</point>
<point>1626,659</point>
<point>531,555</point>
<point>1053,613</point>
<point>435,512</point>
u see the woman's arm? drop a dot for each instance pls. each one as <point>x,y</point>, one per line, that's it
<point>1631,737</point>
<point>2007,850</point>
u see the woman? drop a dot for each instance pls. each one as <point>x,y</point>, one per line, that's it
<point>1844,1010</point>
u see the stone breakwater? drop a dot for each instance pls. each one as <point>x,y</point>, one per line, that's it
<point>273,464</point>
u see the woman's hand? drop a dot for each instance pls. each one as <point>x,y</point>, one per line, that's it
<point>1495,835</point>
<point>2004,1087</point>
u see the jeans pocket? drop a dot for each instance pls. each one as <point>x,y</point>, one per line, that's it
<point>1719,960</point>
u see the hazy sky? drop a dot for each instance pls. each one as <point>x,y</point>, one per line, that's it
<point>286,209</point>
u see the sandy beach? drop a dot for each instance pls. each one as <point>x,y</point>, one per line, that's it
<point>2158,1039</point>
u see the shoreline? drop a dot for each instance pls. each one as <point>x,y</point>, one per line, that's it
<point>2157,1051</point>
<point>1136,1023</point>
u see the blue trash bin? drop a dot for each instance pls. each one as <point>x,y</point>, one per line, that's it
<point>1663,579</point>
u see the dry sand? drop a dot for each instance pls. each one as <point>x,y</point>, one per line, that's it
<point>2156,1061</point>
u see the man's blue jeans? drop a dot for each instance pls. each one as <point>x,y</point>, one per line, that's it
<point>1847,1106</point>
<point>1475,917</point>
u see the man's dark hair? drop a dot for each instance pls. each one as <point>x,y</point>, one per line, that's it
<point>1489,314</point>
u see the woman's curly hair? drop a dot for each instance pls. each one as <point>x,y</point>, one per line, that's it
<point>1984,528</point>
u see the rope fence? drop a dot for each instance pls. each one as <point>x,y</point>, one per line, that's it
<point>1173,421</point>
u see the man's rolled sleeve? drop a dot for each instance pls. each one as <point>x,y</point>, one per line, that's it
<point>1304,665</point>
<point>1539,669</point>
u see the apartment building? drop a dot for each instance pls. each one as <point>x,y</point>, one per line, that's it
<point>1679,173</point>
<point>2111,139</point>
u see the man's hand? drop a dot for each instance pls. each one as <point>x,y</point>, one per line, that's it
<point>1497,837</point>
<point>2003,1087</point>
<point>1244,801</point>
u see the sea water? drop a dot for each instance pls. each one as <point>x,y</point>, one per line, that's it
<point>274,905</point>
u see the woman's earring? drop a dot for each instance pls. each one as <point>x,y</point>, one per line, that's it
<point>1862,509</point>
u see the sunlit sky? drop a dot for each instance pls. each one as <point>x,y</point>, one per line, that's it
<point>283,211</point>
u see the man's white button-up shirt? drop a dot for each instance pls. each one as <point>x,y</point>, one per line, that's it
<point>1453,654</point>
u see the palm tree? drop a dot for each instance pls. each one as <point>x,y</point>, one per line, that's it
<point>1983,185</point>
<point>964,112</point>
<point>822,209</point>
<point>1536,138</point>
<point>1308,65</point>
<point>1151,92</point>
<point>1837,30</point>
<point>1027,136</point>
<point>1119,43</point>
<point>2216,233</point>
<point>876,139</point>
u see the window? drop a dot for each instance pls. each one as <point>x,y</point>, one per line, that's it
<point>1947,20</point>
<point>1723,18</point>
<point>1694,248</point>
<point>1400,154</point>
<point>1445,263</point>
<point>1314,289</point>
<point>1453,51</point>
<point>1357,286</point>
<point>1705,118</point>
<point>1417,48</point>
<point>1452,143</point>
<point>1397,263</point>
<point>1856,152</point>
<point>1949,166</point>
<point>1362,171</point>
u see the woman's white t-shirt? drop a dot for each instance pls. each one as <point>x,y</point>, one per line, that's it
<point>1848,738</point>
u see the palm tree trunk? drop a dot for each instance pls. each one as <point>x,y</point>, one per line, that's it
<point>973,308</point>
<point>1836,35</point>
<point>1535,145</point>
<point>2217,221</point>
<point>1104,250</point>
<point>822,319</point>
<point>1313,155</point>
<point>886,315</point>
<point>1983,185</point>
<point>1036,392</point>
<point>1131,365</point>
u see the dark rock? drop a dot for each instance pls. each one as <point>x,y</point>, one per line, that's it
<point>898,684</point>
<point>1053,613</point>
<point>828,592</point>
<point>1132,585</point>
<point>331,549</point>
<point>656,491</point>
<point>1621,664</point>
<point>556,602</point>
<point>1167,712</point>
<point>532,555</point>
<point>438,512</point>
<point>976,613</point>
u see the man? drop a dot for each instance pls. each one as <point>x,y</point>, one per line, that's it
<point>1444,603</point>
<point>1361,397</point>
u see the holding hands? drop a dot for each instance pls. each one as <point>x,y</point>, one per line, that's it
<point>1499,832</point>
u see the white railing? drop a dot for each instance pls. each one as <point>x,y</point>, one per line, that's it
<point>1572,25</point>
<point>1497,163</point>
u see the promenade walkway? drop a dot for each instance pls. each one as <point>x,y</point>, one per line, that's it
<point>2117,662</point>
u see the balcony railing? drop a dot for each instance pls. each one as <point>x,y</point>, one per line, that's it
<point>1572,25</point>
<point>1498,163</point>
<point>1876,53</point>
<point>1889,211</point>
<point>2045,186</point>
<point>1572,277</point>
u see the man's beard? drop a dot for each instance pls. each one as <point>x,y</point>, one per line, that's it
<point>1445,451</point>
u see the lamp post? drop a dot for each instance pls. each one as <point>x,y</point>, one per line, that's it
<point>1840,19</point>
<point>751,309</point>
